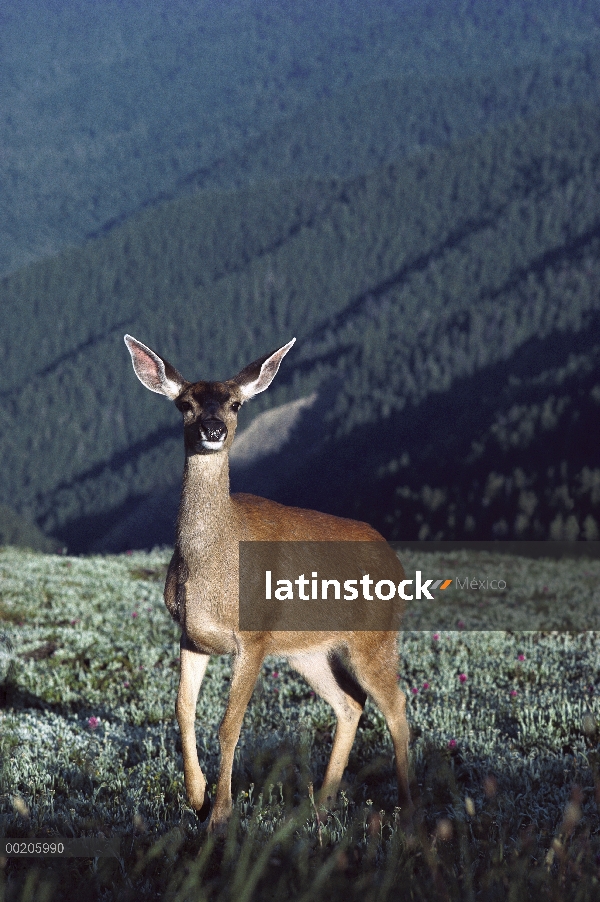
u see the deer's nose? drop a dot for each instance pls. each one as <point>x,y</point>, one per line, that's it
<point>213,430</point>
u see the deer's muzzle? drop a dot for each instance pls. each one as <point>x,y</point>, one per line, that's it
<point>212,433</point>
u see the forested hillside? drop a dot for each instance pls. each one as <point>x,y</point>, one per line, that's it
<point>446,313</point>
<point>109,107</point>
<point>365,126</point>
<point>20,531</point>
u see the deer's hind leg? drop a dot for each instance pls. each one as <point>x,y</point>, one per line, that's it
<point>325,672</point>
<point>192,668</point>
<point>375,662</point>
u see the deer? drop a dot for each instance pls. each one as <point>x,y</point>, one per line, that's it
<point>202,592</point>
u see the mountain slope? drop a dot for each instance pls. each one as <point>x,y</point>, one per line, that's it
<point>368,125</point>
<point>110,107</point>
<point>508,452</point>
<point>398,285</point>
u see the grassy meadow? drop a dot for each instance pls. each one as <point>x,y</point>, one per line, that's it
<point>506,772</point>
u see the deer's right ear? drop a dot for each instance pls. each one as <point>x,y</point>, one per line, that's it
<point>155,373</point>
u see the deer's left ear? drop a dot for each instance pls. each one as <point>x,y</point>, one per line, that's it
<point>257,376</point>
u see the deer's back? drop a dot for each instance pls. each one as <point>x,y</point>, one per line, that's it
<point>268,521</point>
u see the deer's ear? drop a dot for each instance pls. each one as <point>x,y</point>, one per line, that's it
<point>155,373</point>
<point>257,376</point>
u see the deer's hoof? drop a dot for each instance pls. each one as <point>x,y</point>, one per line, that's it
<point>219,823</point>
<point>204,811</point>
<point>217,828</point>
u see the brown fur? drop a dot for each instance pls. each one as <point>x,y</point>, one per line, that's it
<point>201,590</point>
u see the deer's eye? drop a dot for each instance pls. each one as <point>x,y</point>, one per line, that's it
<point>185,407</point>
<point>236,406</point>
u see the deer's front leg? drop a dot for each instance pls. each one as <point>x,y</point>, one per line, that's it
<point>193,666</point>
<point>246,667</point>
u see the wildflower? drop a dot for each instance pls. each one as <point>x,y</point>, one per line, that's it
<point>93,722</point>
<point>275,674</point>
<point>126,684</point>
<point>513,693</point>
<point>134,614</point>
<point>75,622</point>
<point>436,637</point>
<point>129,552</point>
<point>461,624</point>
<point>521,657</point>
<point>425,685</point>
<point>443,830</point>
<point>452,744</point>
<point>462,677</point>
<point>414,690</point>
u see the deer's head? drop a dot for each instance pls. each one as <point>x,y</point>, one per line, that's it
<point>209,409</point>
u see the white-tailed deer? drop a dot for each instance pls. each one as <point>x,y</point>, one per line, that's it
<point>202,589</point>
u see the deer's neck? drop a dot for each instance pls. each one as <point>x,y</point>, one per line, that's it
<point>206,514</point>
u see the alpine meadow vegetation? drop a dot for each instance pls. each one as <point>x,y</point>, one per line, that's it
<point>504,751</point>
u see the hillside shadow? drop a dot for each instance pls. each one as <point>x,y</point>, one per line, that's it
<point>447,441</point>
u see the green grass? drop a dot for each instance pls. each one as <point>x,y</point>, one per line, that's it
<point>505,763</point>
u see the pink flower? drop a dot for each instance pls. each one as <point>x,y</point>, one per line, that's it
<point>93,722</point>
<point>135,614</point>
<point>513,693</point>
<point>126,684</point>
<point>129,552</point>
<point>452,744</point>
<point>436,637</point>
<point>74,622</point>
<point>275,674</point>
<point>425,685</point>
<point>414,690</point>
<point>461,624</point>
<point>462,677</point>
<point>520,657</point>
